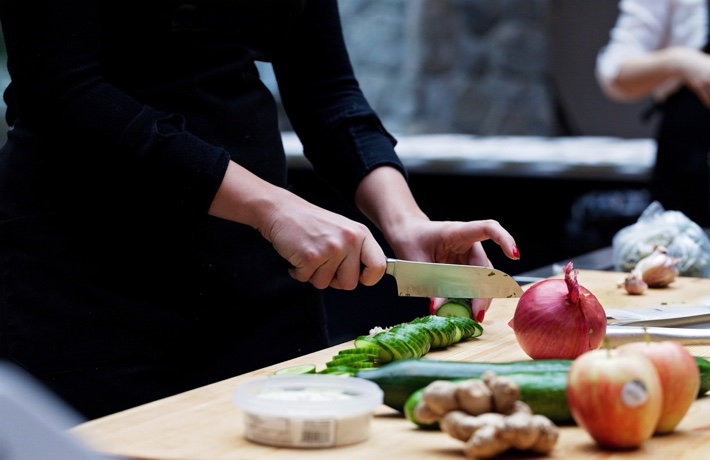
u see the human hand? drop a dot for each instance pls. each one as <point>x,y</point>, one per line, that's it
<point>324,248</point>
<point>455,243</point>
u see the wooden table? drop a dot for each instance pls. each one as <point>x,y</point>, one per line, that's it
<point>205,424</point>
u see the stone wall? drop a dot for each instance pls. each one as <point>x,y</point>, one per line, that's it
<point>466,66</point>
<point>439,66</point>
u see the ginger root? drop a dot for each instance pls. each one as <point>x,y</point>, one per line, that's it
<point>487,415</point>
<point>440,397</point>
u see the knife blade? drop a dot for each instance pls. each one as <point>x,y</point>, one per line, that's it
<point>618,335</point>
<point>662,315</point>
<point>423,279</point>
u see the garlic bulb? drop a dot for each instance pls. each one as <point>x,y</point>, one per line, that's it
<point>658,269</point>
<point>634,283</point>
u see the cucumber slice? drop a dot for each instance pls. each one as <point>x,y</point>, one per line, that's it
<point>471,328</point>
<point>479,329</point>
<point>395,346</point>
<point>359,365</point>
<point>417,337</point>
<point>345,371</point>
<point>366,341</point>
<point>297,370</point>
<point>438,336</point>
<point>347,360</point>
<point>417,342</point>
<point>398,347</point>
<point>467,329</point>
<point>371,350</point>
<point>443,326</point>
<point>455,307</point>
<point>457,335</point>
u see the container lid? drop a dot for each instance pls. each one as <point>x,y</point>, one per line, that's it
<point>308,395</point>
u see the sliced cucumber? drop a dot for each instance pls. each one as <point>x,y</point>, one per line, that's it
<point>441,335</point>
<point>443,326</point>
<point>398,347</point>
<point>438,336</point>
<point>458,334</point>
<point>363,365</point>
<point>372,350</point>
<point>455,307</point>
<point>347,360</point>
<point>345,371</point>
<point>296,370</point>
<point>366,341</point>
<point>417,337</point>
<point>470,327</point>
<point>407,340</point>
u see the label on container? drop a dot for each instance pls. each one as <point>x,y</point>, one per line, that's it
<point>291,432</point>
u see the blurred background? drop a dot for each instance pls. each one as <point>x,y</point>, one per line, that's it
<point>488,70</point>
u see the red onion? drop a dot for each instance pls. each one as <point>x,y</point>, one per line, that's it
<point>558,319</point>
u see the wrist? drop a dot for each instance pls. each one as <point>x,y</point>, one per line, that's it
<point>245,198</point>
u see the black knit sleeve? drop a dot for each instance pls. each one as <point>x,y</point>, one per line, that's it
<point>58,70</point>
<point>342,136</point>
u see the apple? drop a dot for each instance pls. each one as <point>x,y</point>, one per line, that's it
<point>679,374</point>
<point>616,397</point>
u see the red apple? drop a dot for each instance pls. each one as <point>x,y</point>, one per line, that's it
<point>680,378</point>
<point>615,397</point>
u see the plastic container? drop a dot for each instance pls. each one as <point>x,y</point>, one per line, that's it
<point>311,410</point>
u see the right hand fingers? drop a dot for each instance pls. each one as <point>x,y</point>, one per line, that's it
<point>374,263</point>
<point>342,266</point>
<point>366,266</point>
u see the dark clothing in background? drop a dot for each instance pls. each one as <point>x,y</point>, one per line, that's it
<point>681,176</point>
<point>116,286</point>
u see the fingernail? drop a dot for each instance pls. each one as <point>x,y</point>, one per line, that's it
<point>516,252</point>
<point>480,316</point>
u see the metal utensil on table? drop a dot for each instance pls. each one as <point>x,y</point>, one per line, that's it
<point>422,279</point>
<point>661,315</point>
<point>687,324</point>
<point>617,335</point>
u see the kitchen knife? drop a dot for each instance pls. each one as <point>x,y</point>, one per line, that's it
<point>662,315</point>
<point>422,279</point>
<point>618,335</point>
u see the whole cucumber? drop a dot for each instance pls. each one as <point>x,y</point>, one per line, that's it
<point>704,368</point>
<point>399,379</point>
<point>544,392</point>
<point>543,382</point>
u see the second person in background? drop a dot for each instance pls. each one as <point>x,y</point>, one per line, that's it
<point>660,48</point>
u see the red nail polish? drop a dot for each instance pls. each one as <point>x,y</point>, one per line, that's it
<point>516,252</point>
<point>480,316</point>
<point>432,310</point>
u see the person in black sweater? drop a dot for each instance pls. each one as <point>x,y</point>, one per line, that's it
<point>148,240</point>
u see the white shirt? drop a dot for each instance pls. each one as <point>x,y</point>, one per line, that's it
<point>644,26</point>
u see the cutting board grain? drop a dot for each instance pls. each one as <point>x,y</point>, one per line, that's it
<point>205,424</point>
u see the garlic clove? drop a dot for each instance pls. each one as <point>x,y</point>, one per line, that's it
<point>658,269</point>
<point>634,283</point>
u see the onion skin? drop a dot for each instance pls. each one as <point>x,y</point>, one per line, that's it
<point>559,319</point>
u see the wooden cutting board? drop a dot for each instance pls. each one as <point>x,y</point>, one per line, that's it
<point>205,424</point>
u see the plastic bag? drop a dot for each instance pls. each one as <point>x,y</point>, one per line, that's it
<point>683,238</point>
